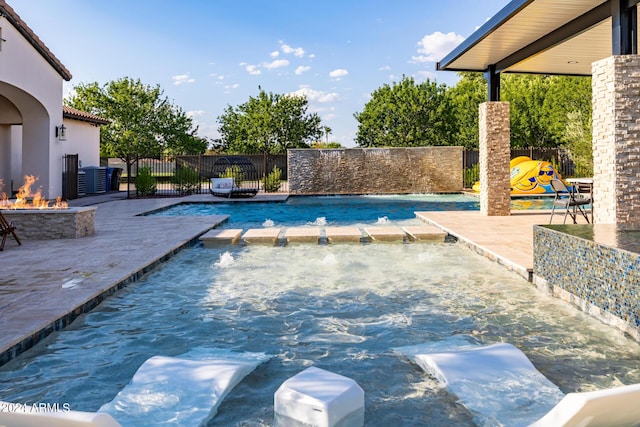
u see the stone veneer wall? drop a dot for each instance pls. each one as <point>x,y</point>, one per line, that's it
<point>599,278</point>
<point>616,140</point>
<point>495,154</point>
<point>48,224</point>
<point>375,170</point>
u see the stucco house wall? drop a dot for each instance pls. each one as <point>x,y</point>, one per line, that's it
<point>31,95</point>
<point>83,139</point>
<point>35,90</point>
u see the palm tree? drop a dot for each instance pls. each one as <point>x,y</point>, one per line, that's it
<point>326,130</point>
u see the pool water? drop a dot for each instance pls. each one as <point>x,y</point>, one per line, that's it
<point>343,308</point>
<point>338,210</point>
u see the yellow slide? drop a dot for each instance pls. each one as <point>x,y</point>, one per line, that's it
<point>529,176</point>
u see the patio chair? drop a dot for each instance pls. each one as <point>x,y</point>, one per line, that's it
<point>7,228</point>
<point>185,390</point>
<point>571,201</point>
<point>499,385</point>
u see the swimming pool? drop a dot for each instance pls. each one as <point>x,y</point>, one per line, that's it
<point>342,308</point>
<point>339,210</point>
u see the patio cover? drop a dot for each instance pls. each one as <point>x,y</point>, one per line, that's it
<point>548,37</point>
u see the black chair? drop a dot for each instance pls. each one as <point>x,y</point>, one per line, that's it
<point>7,228</point>
<point>569,200</point>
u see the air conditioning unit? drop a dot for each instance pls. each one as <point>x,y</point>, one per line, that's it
<point>96,179</point>
<point>82,183</point>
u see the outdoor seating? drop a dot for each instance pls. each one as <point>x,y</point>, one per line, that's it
<point>570,200</point>
<point>234,176</point>
<point>499,385</point>
<point>7,228</point>
<point>185,390</point>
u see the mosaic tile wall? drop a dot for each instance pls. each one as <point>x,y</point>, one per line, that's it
<point>599,278</point>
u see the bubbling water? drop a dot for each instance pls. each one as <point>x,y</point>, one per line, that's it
<point>268,223</point>
<point>226,260</point>
<point>343,308</point>
<point>383,220</point>
<point>321,221</point>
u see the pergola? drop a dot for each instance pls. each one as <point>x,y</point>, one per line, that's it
<point>572,37</point>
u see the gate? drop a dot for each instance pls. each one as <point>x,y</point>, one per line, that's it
<point>70,177</point>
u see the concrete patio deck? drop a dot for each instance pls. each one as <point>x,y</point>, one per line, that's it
<point>46,284</point>
<point>507,240</point>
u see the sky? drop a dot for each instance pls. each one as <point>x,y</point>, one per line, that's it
<point>210,54</point>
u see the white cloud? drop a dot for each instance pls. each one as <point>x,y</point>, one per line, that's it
<point>385,68</point>
<point>252,69</point>
<point>296,51</point>
<point>274,54</point>
<point>315,95</point>
<point>433,47</point>
<point>233,86</point>
<point>182,79</point>
<point>424,74</point>
<point>301,69</point>
<point>195,113</point>
<point>339,73</point>
<point>278,63</point>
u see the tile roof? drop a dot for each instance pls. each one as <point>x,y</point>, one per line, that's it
<point>72,113</point>
<point>7,12</point>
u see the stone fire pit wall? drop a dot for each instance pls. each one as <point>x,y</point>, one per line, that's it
<point>375,170</point>
<point>48,224</point>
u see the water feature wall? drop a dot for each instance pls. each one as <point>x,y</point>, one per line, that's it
<point>47,224</point>
<point>375,170</point>
<point>594,267</point>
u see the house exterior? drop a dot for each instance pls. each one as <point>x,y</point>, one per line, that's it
<point>31,112</point>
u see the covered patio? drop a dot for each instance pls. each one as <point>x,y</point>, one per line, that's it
<point>591,266</point>
<point>582,38</point>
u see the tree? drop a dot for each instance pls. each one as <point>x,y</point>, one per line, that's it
<point>143,122</point>
<point>406,114</point>
<point>465,98</point>
<point>540,104</point>
<point>268,124</point>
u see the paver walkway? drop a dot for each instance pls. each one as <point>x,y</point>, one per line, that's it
<point>507,240</point>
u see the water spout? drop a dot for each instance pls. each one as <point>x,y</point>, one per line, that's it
<point>225,260</point>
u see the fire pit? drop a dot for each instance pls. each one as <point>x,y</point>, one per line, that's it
<point>37,219</point>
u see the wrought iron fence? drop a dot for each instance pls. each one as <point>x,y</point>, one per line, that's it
<point>181,175</point>
<point>558,157</point>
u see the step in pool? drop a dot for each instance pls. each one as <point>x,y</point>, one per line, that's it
<point>322,235</point>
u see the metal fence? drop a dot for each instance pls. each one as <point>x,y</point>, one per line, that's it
<point>180,175</point>
<point>171,178</point>
<point>558,157</point>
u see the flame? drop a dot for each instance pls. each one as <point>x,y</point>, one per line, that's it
<point>25,199</point>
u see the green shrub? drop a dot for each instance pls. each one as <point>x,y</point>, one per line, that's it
<point>234,172</point>
<point>471,175</point>
<point>272,181</point>
<point>145,182</point>
<point>186,180</point>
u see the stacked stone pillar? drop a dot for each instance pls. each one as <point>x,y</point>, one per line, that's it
<point>616,140</point>
<point>495,154</point>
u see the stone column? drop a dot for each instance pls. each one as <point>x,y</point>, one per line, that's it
<point>495,154</point>
<point>616,140</point>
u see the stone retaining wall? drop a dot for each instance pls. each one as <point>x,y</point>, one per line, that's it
<point>48,224</point>
<point>375,170</point>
